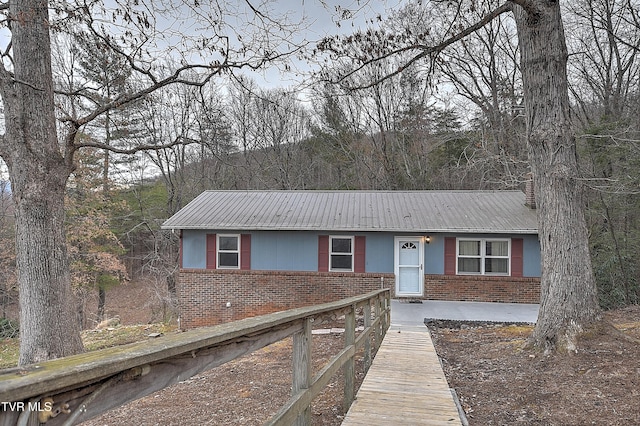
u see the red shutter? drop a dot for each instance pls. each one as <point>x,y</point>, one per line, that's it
<point>517,264</point>
<point>450,256</point>
<point>211,251</point>
<point>245,251</point>
<point>323,253</point>
<point>359,254</point>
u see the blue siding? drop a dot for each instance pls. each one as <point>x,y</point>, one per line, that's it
<point>531,255</point>
<point>194,249</point>
<point>298,251</point>
<point>434,255</point>
<point>379,253</point>
<point>284,251</point>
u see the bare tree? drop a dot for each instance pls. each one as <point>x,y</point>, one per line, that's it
<point>604,66</point>
<point>605,83</point>
<point>383,133</point>
<point>242,117</point>
<point>568,291</point>
<point>269,126</point>
<point>187,113</point>
<point>40,161</point>
<point>484,69</point>
<point>8,288</point>
<point>281,125</point>
<point>338,129</point>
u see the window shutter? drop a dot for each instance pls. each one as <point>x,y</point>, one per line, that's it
<point>450,256</point>
<point>211,251</point>
<point>323,253</point>
<point>245,251</point>
<point>517,264</point>
<point>359,254</point>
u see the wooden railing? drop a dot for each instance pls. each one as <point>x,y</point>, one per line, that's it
<point>70,390</point>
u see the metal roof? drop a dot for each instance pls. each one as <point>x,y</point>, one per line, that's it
<point>395,211</point>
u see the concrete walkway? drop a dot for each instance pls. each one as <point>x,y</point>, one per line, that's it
<point>406,313</point>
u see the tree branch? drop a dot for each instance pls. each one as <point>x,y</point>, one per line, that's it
<point>426,50</point>
<point>129,98</point>
<point>634,21</point>
<point>178,141</point>
<point>6,80</point>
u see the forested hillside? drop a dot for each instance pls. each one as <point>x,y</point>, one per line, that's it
<point>458,126</point>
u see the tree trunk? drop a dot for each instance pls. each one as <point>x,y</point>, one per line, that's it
<point>102,301</point>
<point>39,172</point>
<point>568,291</point>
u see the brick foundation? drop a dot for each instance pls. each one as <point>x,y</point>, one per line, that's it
<point>203,294</point>
<point>473,288</point>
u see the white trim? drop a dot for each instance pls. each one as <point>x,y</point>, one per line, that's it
<point>352,253</point>
<point>396,263</point>
<point>482,256</point>
<point>218,251</point>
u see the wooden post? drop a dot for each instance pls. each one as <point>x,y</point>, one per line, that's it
<point>387,312</point>
<point>379,325</point>
<point>367,341</point>
<point>302,367</point>
<point>349,366</point>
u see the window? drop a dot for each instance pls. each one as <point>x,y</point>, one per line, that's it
<point>228,251</point>
<point>483,257</point>
<point>341,254</point>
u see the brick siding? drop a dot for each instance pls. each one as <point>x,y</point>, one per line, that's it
<point>203,294</point>
<point>473,288</point>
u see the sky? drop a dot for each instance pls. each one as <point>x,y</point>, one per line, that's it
<point>320,17</point>
<point>322,21</point>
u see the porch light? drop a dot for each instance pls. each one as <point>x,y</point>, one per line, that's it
<point>427,239</point>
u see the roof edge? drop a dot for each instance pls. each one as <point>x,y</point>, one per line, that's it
<point>394,230</point>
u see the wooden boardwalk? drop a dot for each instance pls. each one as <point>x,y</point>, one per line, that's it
<point>405,384</point>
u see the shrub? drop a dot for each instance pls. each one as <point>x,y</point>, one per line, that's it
<point>8,328</point>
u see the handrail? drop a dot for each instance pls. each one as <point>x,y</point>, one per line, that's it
<point>298,403</point>
<point>66,390</point>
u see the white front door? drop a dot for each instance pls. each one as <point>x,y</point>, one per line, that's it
<point>408,266</point>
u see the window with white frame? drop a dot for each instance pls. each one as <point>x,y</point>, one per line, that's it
<point>341,253</point>
<point>228,251</point>
<point>484,256</point>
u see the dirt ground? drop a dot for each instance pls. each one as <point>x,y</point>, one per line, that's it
<point>497,382</point>
<point>246,391</point>
<point>136,302</point>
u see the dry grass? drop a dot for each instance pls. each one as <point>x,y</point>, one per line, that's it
<point>93,339</point>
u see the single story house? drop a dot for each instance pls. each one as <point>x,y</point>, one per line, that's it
<point>246,253</point>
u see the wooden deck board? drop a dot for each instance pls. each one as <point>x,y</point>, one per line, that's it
<point>405,385</point>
